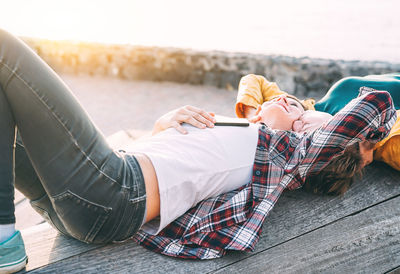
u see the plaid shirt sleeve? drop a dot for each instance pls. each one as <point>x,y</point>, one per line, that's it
<point>233,221</point>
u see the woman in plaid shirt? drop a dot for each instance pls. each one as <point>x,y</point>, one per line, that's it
<point>283,160</point>
<point>95,194</point>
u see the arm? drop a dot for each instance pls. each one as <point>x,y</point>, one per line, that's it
<point>366,118</point>
<point>187,114</point>
<point>253,91</point>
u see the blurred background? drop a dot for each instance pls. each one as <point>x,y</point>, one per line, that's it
<point>130,61</point>
<point>118,56</point>
<point>341,29</point>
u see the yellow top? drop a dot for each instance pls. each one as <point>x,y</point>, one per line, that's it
<point>255,90</point>
<point>388,150</point>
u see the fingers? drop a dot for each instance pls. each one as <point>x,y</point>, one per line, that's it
<point>311,120</point>
<point>255,119</point>
<point>249,111</point>
<point>202,116</point>
<point>195,117</point>
<point>198,122</point>
<point>298,126</point>
<point>179,128</point>
<point>187,114</point>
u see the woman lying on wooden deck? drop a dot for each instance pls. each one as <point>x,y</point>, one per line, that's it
<point>192,195</point>
<point>254,90</point>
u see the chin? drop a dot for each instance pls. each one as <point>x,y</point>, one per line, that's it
<point>284,128</point>
<point>276,120</point>
<point>277,126</point>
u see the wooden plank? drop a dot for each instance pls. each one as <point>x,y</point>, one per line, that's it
<point>125,258</point>
<point>26,216</point>
<point>45,245</point>
<point>296,213</point>
<point>19,197</point>
<point>395,271</point>
<point>365,242</point>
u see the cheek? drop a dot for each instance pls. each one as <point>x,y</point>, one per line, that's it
<point>277,114</point>
<point>267,115</point>
<point>266,112</point>
<point>272,110</point>
<point>286,121</point>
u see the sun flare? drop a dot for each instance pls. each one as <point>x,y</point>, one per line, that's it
<point>315,28</point>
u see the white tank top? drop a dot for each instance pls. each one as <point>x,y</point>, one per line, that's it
<point>201,164</point>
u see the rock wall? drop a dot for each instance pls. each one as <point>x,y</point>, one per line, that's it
<point>301,76</point>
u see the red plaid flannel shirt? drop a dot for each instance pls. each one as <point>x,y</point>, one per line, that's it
<point>233,221</point>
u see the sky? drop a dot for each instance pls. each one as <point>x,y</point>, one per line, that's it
<point>341,29</point>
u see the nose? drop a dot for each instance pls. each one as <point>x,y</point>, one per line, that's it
<point>283,99</point>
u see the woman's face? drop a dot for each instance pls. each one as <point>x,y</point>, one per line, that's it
<point>280,113</point>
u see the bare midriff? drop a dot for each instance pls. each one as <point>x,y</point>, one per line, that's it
<point>151,182</point>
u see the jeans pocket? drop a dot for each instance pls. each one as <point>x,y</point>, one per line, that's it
<point>44,207</point>
<point>82,218</point>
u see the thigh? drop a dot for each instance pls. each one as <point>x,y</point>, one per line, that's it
<point>88,183</point>
<point>26,179</point>
<point>64,146</point>
<point>29,184</point>
<point>59,137</point>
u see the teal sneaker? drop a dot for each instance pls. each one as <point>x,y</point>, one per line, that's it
<point>12,254</point>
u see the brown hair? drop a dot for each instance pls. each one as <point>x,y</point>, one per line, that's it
<point>302,102</point>
<point>339,174</point>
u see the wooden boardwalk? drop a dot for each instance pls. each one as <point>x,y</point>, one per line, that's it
<point>359,232</point>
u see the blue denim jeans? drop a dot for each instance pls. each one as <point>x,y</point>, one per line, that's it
<point>60,160</point>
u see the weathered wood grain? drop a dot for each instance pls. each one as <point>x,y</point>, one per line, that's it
<point>44,245</point>
<point>26,216</point>
<point>365,242</point>
<point>125,258</point>
<point>18,197</point>
<point>296,214</point>
<point>395,271</point>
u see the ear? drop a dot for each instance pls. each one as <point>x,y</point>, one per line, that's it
<point>298,126</point>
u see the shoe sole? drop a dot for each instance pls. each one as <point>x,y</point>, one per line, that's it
<point>14,267</point>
